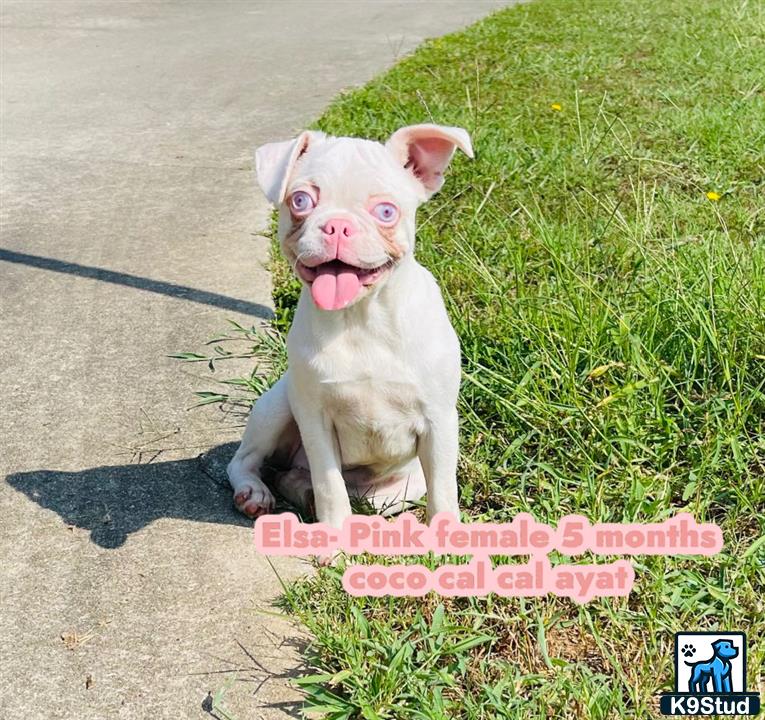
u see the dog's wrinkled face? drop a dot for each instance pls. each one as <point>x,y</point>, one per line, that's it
<point>347,218</point>
<point>347,206</point>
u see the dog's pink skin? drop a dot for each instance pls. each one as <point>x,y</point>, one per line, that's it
<point>337,234</point>
<point>367,277</point>
<point>335,287</point>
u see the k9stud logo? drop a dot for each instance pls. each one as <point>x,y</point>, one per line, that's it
<point>710,676</point>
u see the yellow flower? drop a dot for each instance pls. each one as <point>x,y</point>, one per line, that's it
<point>557,107</point>
<point>713,196</point>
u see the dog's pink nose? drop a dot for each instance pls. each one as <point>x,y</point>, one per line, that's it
<point>337,231</point>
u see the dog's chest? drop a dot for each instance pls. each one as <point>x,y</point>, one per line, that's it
<point>377,421</point>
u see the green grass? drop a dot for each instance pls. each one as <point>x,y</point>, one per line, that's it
<point>612,321</point>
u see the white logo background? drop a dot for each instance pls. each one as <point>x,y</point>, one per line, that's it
<point>703,650</point>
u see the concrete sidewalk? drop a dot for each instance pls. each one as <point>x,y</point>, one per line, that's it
<point>129,587</point>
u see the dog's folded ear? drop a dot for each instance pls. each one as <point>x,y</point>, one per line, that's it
<point>425,150</point>
<point>274,163</point>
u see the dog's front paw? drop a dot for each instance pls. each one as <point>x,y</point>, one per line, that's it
<point>253,498</point>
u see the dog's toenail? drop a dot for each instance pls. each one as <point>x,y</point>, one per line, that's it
<point>243,495</point>
<point>253,510</point>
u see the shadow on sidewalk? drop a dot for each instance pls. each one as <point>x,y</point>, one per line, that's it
<point>160,287</point>
<point>114,501</point>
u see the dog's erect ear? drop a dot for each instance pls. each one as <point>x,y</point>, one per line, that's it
<point>274,163</point>
<point>425,150</point>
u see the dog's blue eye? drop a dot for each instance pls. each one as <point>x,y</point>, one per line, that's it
<point>301,202</point>
<point>385,212</point>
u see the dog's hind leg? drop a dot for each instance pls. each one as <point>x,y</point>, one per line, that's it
<point>270,428</point>
<point>294,485</point>
<point>294,482</point>
<point>391,494</point>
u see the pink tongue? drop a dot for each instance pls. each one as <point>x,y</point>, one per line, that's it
<point>333,289</point>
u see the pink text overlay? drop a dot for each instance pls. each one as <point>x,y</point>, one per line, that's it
<point>680,535</point>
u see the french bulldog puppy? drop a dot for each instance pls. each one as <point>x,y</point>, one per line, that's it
<point>368,403</point>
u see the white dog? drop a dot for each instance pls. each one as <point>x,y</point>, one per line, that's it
<point>368,404</point>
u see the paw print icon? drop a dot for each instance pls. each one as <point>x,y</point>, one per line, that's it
<point>688,650</point>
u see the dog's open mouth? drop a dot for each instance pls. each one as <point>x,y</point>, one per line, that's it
<point>335,284</point>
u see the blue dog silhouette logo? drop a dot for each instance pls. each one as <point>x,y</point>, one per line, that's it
<point>710,676</point>
<point>717,670</point>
